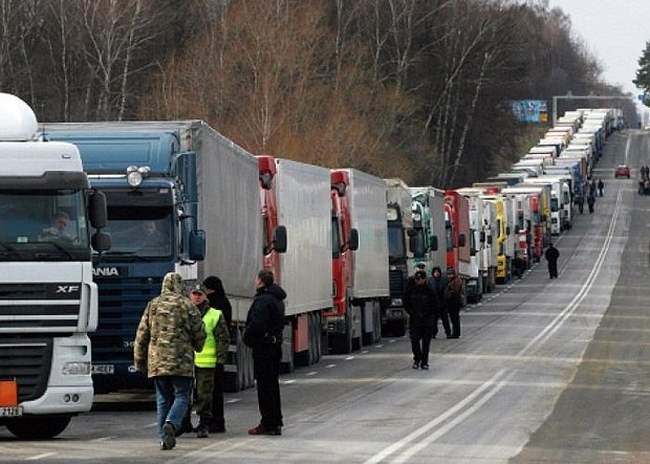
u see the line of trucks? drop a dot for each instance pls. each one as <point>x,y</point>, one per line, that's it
<point>93,215</point>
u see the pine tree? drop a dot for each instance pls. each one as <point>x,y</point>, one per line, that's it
<point>643,74</point>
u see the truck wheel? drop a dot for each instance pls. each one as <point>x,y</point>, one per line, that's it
<point>38,427</point>
<point>342,343</point>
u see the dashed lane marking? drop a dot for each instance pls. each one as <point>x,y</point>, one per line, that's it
<point>379,346</point>
<point>329,366</point>
<point>40,456</point>
<point>233,400</point>
<point>309,374</point>
<point>349,358</point>
<point>289,382</point>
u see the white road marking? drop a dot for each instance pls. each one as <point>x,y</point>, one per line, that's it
<point>392,340</point>
<point>329,366</point>
<point>349,358</point>
<point>233,401</point>
<point>40,456</point>
<point>379,346</point>
<point>627,147</point>
<point>289,382</point>
<point>104,438</point>
<point>309,374</point>
<point>364,352</point>
<point>151,425</point>
<point>377,458</point>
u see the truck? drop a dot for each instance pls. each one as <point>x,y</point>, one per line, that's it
<point>429,246</point>
<point>400,228</point>
<point>297,231</point>
<point>538,227</point>
<point>479,229</point>
<point>561,201</point>
<point>164,182</point>
<point>48,299</point>
<point>360,260</point>
<point>458,256</point>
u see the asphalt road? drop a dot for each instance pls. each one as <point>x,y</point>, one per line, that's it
<point>545,372</point>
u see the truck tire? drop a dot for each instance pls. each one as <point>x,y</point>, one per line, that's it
<point>38,427</point>
<point>342,342</point>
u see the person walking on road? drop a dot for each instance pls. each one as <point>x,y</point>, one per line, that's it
<point>601,187</point>
<point>591,201</point>
<point>438,282</point>
<point>218,300</point>
<point>580,200</point>
<point>421,304</point>
<point>454,301</point>
<point>170,331</point>
<point>207,360</point>
<point>552,254</point>
<point>263,334</point>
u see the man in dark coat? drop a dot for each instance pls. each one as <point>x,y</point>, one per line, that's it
<point>580,200</point>
<point>591,201</point>
<point>263,334</point>
<point>218,300</point>
<point>552,254</point>
<point>455,292</point>
<point>421,302</point>
<point>601,187</point>
<point>438,282</point>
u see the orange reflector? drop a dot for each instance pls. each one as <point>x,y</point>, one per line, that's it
<point>8,393</point>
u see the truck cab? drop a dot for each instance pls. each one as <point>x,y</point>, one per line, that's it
<point>47,296</point>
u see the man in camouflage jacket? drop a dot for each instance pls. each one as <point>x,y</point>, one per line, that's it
<point>170,330</point>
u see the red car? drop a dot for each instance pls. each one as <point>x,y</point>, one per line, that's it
<point>622,170</point>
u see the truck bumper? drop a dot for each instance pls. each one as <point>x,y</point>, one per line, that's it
<point>61,400</point>
<point>472,289</point>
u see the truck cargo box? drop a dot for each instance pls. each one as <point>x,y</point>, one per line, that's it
<point>368,216</point>
<point>304,208</point>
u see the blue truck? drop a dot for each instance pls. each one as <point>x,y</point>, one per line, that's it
<point>183,198</point>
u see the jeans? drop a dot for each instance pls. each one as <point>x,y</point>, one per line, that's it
<point>172,399</point>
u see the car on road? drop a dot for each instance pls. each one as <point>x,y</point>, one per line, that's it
<point>622,170</point>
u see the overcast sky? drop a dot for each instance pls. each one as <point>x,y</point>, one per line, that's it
<point>615,31</point>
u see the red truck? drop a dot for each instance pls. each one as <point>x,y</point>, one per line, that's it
<point>359,260</point>
<point>457,213</point>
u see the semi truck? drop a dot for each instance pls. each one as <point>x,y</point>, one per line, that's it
<point>400,228</point>
<point>297,247</point>
<point>48,301</point>
<point>429,247</point>
<point>458,256</point>
<point>360,264</point>
<point>167,182</point>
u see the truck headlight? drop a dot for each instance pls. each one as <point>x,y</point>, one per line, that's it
<point>76,368</point>
<point>134,178</point>
<point>396,302</point>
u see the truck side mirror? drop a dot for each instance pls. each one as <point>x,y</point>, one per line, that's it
<point>197,245</point>
<point>489,240</point>
<point>354,240</point>
<point>101,241</point>
<point>434,243</point>
<point>461,241</point>
<point>280,239</point>
<point>482,237</point>
<point>507,230</point>
<point>97,210</point>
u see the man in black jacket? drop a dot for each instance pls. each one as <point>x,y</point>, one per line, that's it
<point>421,303</point>
<point>552,255</point>
<point>438,282</point>
<point>263,334</point>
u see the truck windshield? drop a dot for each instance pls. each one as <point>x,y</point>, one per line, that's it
<point>554,205</point>
<point>47,225</point>
<point>140,232</point>
<point>420,248</point>
<point>396,247</point>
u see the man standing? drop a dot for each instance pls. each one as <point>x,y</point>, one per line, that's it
<point>454,301</point>
<point>218,300</point>
<point>601,187</point>
<point>580,200</point>
<point>552,254</point>
<point>263,334</point>
<point>170,331</point>
<point>438,283</point>
<point>591,201</point>
<point>421,304</point>
<point>206,361</point>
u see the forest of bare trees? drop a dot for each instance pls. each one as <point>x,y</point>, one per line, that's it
<point>418,89</point>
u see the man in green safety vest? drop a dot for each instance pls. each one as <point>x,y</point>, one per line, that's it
<point>211,357</point>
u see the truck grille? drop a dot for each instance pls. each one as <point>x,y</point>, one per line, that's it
<point>50,307</point>
<point>28,361</point>
<point>121,304</point>
<point>396,284</point>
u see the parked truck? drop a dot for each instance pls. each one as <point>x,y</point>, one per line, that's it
<point>297,225</point>
<point>429,246</point>
<point>360,265</point>
<point>48,301</point>
<point>165,182</point>
<point>400,228</point>
<point>458,256</point>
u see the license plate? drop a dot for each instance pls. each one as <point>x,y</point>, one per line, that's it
<point>103,369</point>
<point>11,411</point>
